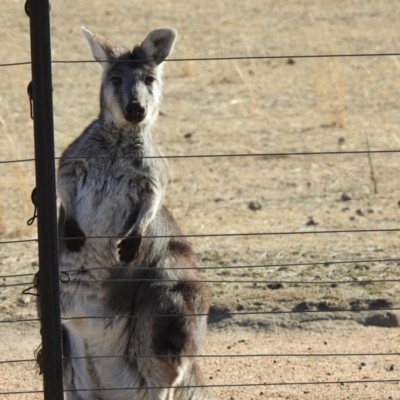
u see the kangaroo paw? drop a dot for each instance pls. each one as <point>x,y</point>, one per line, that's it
<point>74,237</point>
<point>129,248</point>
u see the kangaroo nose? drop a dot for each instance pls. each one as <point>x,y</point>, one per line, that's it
<point>135,110</point>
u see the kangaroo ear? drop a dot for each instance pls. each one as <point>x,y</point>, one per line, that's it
<point>103,51</point>
<point>158,44</point>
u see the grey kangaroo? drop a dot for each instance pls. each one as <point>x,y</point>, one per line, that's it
<point>130,271</point>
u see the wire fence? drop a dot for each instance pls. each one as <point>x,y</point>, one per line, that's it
<point>71,277</point>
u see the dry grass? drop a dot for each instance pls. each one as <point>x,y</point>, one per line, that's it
<point>242,106</point>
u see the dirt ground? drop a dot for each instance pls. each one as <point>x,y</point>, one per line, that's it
<point>300,292</point>
<point>288,357</point>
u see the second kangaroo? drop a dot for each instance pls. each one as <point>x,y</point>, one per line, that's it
<point>131,273</point>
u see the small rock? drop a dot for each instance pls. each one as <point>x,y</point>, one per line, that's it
<point>388,320</point>
<point>23,300</point>
<point>379,303</point>
<point>303,306</point>
<point>341,141</point>
<point>311,222</point>
<point>360,213</point>
<point>345,197</point>
<point>290,61</point>
<point>188,135</point>
<point>254,206</point>
<point>275,286</point>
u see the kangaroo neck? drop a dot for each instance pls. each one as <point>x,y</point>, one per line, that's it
<point>139,136</point>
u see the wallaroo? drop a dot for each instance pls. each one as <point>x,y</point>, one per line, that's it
<point>132,273</point>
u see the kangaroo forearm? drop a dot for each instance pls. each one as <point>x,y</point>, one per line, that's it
<point>67,182</point>
<point>146,213</point>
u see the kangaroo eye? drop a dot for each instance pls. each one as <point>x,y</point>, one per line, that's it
<point>116,80</point>
<point>149,80</point>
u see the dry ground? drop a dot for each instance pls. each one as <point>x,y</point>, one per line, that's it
<point>262,375</point>
<point>253,106</point>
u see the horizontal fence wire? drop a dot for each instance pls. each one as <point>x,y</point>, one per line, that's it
<point>340,382</point>
<point>231,155</point>
<point>18,241</point>
<point>267,266</point>
<point>14,276</point>
<point>234,313</point>
<point>236,281</point>
<point>285,355</point>
<point>192,156</point>
<point>269,355</point>
<point>253,266</point>
<point>236,58</point>
<point>240,234</point>
<point>226,385</point>
<point>223,313</point>
<point>326,263</point>
<point>361,281</point>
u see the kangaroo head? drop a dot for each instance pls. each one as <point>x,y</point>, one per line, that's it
<point>131,82</point>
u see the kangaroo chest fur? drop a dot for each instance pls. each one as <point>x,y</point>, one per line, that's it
<point>114,178</point>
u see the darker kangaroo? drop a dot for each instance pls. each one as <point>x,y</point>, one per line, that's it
<point>131,272</point>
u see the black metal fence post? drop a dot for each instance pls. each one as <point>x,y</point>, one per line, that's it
<point>46,198</point>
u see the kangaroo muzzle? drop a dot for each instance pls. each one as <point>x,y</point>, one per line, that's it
<point>134,112</point>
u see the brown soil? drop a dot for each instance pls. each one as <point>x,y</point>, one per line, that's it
<point>272,107</point>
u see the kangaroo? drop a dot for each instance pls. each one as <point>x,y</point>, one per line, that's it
<point>132,273</point>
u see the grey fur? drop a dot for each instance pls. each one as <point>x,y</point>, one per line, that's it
<point>111,187</point>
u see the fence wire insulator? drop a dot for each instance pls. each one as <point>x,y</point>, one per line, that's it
<point>33,199</point>
<point>35,286</point>
<point>65,277</point>
<point>30,93</point>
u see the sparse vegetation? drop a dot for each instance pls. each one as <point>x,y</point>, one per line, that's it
<point>247,106</point>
